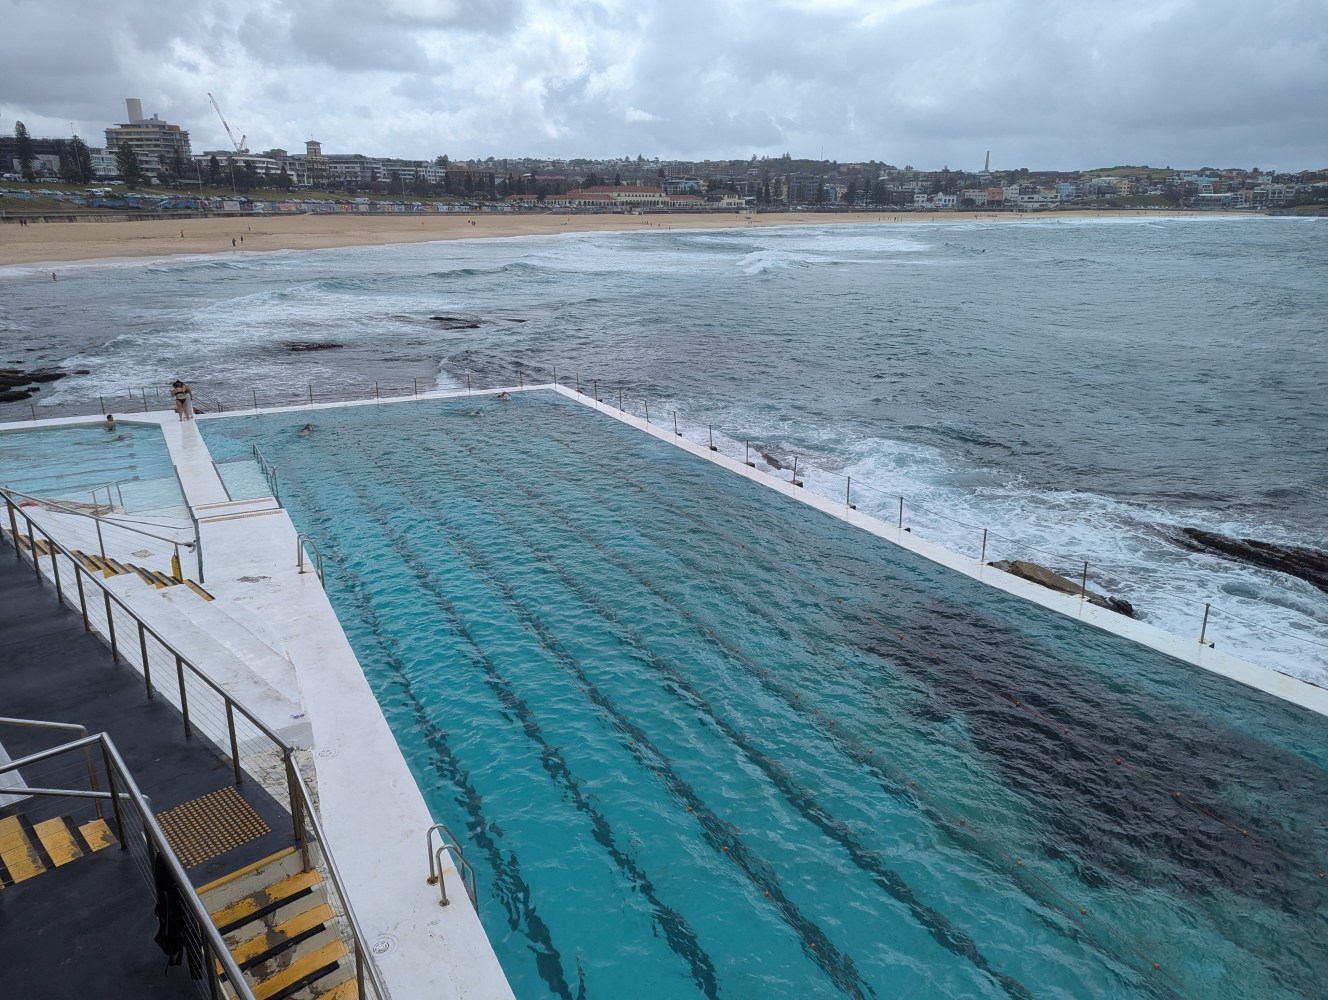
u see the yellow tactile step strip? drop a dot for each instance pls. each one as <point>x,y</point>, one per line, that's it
<point>346,990</point>
<point>198,590</point>
<point>17,853</point>
<point>143,574</point>
<point>287,887</point>
<point>43,547</point>
<point>330,954</point>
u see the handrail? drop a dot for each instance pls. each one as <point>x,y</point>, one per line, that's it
<point>300,539</point>
<point>220,953</point>
<point>301,813</point>
<point>60,507</point>
<point>464,868</point>
<point>42,724</point>
<point>269,473</point>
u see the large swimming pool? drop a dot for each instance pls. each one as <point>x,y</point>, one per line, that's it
<point>701,740</point>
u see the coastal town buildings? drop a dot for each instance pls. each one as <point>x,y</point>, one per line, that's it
<point>158,144</point>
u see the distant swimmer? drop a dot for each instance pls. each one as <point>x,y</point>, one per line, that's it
<point>505,396</point>
<point>306,430</point>
<point>110,422</point>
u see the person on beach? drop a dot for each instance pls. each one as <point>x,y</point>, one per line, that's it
<point>306,430</point>
<point>184,400</point>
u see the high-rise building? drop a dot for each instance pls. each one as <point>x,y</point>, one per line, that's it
<point>156,142</point>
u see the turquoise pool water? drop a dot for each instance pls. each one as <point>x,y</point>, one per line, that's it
<point>79,462</point>
<point>703,741</point>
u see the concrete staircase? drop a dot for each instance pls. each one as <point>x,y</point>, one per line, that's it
<point>153,578</point>
<point>281,930</point>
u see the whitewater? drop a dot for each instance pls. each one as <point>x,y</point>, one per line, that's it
<point>1080,390</point>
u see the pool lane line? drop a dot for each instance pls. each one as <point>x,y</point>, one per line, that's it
<point>678,933</point>
<point>938,815</point>
<point>509,888</point>
<point>798,796</point>
<point>721,835</point>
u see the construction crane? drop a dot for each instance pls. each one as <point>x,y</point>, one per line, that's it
<point>240,147</point>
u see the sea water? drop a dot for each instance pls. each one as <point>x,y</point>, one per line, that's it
<point>700,740</point>
<point>1081,389</point>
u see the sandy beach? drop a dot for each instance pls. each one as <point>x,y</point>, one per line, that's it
<point>63,242</point>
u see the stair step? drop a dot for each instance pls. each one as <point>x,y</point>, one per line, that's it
<point>198,590</point>
<point>266,901</point>
<point>17,854</point>
<point>97,834</point>
<point>304,972</point>
<point>347,989</point>
<point>250,879</point>
<point>58,840</point>
<point>301,931</point>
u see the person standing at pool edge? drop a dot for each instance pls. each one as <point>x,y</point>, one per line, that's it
<point>184,400</point>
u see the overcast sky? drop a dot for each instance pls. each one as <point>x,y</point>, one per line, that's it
<point>932,83</point>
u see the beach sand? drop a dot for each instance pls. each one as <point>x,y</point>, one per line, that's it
<point>55,242</point>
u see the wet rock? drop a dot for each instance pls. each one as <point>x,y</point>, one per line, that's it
<point>1310,565</point>
<point>456,322</point>
<point>299,346</point>
<point>17,384</point>
<point>771,461</point>
<point>1054,581</point>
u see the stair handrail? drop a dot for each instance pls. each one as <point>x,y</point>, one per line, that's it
<point>296,787</point>
<point>269,473</point>
<point>220,954</point>
<point>67,726</point>
<point>60,507</point>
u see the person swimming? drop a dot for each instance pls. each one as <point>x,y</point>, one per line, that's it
<point>306,430</point>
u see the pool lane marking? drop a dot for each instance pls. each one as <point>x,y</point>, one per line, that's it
<point>679,934</point>
<point>957,828</point>
<point>720,834</point>
<point>798,796</point>
<point>515,899</point>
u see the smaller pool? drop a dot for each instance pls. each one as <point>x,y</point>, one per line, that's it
<point>87,463</point>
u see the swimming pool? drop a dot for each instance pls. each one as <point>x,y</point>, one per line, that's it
<point>704,741</point>
<point>87,463</point>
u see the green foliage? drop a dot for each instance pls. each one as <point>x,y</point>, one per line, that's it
<point>76,162</point>
<point>23,151</point>
<point>131,171</point>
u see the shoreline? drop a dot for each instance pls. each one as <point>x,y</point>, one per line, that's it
<point>50,244</point>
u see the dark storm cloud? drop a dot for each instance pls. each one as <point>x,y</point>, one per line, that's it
<point>927,82</point>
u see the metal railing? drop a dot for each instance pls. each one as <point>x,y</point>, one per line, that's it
<point>300,541</point>
<point>464,867</point>
<point>269,473</point>
<point>130,807</point>
<point>206,710</point>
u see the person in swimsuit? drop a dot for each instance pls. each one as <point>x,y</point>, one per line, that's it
<point>184,400</point>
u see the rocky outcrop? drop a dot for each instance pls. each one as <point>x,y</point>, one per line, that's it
<point>1034,573</point>
<point>1310,565</point>
<point>16,384</point>
<point>456,322</point>
<point>299,346</point>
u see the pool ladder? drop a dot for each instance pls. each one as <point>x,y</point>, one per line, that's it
<point>300,541</point>
<point>447,842</point>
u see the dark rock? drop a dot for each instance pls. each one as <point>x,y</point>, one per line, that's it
<point>1310,565</point>
<point>81,371</point>
<point>16,378</point>
<point>771,461</point>
<point>456,322</point>
<point>298,346</point>
<point>1054,581</point>
<point>13,395</point>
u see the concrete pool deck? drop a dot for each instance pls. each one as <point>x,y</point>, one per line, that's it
<point>373,811</point>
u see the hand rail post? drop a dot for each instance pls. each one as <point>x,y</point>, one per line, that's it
<point>115,796</point>
<point>675,424</point>
<point>101,542</point>
<point>1203,629</point>
<point>255,393</point>
<point>235,749</point>
<point>82,597</point>
<point>32,547</point>
<point>110,626</point>
<point>311,394</point>
<point>1083,583</point>
<point>901,513</point>
<point>647,403</point>
<point>13,528</point>
<point>147,667</point>
<point>55,569</point>
<point>297,806</point>
<point>983,558</point>
<point>184,698</point>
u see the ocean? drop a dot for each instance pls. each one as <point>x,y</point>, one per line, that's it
<point>1082,390</point>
